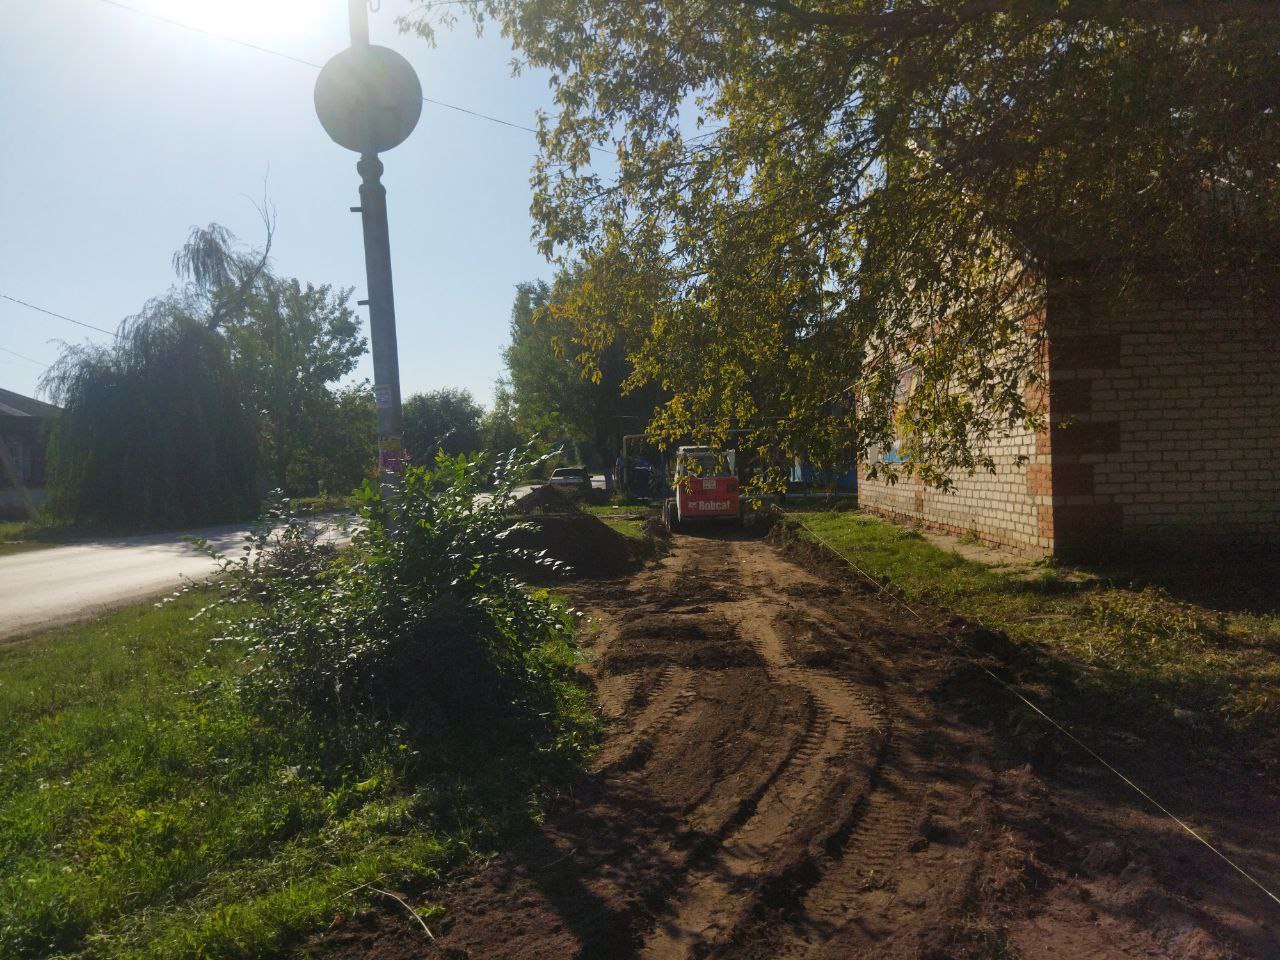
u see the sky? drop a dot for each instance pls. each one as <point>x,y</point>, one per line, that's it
<point>119,133</point>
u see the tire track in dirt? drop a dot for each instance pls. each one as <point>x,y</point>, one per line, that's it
<point>787,773</point>
<point>868,829</point>
<point>849,726</point>
<point>671,698</point>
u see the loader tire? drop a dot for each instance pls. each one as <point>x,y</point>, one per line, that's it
<point>670,516</point>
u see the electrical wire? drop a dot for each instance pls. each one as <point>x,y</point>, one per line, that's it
<point>22,356</point>
<point>1010,688</point>
<point>316,66</point>
<point>79,323</point>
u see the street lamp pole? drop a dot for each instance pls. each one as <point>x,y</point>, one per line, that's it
<point>382,306</point>
<point>382,318</point>
<point>358,11</point>
<point>368,100</point>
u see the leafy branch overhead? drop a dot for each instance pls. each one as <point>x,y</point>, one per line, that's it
<point>832,222</point>
<point>579,371</point>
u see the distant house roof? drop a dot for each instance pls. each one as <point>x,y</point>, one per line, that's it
<point>16,405</point>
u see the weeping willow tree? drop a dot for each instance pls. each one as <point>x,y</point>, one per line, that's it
<point>152,431</point>
<point>210,396</point>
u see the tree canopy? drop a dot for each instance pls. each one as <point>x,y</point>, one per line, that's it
<point>445,420</point>
<point>569,379</point>
<point>814,198</point>
<point>211,395</point>
<point>152,431</point>
<point>288,345</point>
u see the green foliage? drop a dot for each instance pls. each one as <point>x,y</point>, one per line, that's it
<point>169,793</point>
<point>499,429</point>
<point>287,345</point>
<point>211,395</point>
<point>420,631</point>
<point>152,429</point>
<point>1144,651</point>
<point>442,421</point>
<point>570,381</point>
<point>338,455</point>
<point>814,201</point>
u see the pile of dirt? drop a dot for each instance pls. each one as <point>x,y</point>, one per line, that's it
<point>587,547</point>
<point>545,499</point>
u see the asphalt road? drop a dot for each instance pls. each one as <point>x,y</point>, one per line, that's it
<point>44,588</point>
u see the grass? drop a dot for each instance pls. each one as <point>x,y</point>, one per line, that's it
<point>19,536</point>
<point>23,536</point>
<point>629,521</point>
<point>326,503</point>
<point>1146,651</point>
<point>146,813</point>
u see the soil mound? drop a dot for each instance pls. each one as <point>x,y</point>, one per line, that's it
<point>589,548</point>
<point>545,499</point>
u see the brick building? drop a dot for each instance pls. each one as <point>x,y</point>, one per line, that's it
<point>1163,430</point>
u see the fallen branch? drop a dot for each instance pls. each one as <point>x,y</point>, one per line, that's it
<point>404,903</point>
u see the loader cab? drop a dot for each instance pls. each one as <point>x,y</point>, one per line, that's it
<point>706,487</point>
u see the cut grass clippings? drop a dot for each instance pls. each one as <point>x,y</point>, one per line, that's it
<point>1149,655</point>
<point>145,812</point>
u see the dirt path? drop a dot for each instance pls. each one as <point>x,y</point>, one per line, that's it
<point>790,771</point>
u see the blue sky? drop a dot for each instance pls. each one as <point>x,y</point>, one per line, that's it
<point>120,133</point>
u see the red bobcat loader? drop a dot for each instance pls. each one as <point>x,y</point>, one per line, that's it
<point>706,486</point>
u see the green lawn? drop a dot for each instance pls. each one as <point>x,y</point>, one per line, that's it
<point>21,536</point>
<point>146,813</point>
<point>627,520</point>
<point>1146,651</point>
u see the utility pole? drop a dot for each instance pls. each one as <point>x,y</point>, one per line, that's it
<point>368,99</point>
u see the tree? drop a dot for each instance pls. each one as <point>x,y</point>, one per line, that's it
<point>447,420</point>
<point>340,454</point>
<point>211,395</point>
<point>152,431</point>
<point>288,345</point>
<point>569,376</point>
<point>875,189</point>
<point>499,428</point>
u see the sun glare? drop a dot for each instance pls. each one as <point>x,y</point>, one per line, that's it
<point>244,19</point>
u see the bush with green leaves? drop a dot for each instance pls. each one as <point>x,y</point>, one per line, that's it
<point>420,632</point>
<point>178,784</point>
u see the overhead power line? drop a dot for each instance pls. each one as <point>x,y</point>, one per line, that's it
<point>22,356</point>
<point>78,323</point>
<point>312,64</point>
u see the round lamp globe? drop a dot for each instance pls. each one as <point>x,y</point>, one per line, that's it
<point>368,98</point>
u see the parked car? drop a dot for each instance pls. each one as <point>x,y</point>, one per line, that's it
<point>571,479</point>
